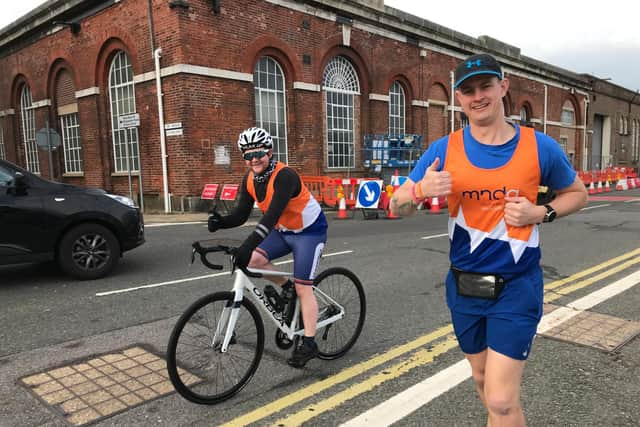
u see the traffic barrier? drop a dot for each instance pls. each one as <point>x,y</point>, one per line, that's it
<point>631,183</point>
<point>620,186</point>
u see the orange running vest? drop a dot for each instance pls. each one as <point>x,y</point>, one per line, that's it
<point>476,202</point>
<point>301,211</point>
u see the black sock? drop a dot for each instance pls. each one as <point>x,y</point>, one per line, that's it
<point>308,341</point>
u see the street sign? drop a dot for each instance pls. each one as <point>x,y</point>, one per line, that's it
<point>128,121</point>
<point>43,142</point>
<point>229,192</point>
<point>173,132</point>
<point>369,194</point>
<point>176,125</point>
<point>209,192</point>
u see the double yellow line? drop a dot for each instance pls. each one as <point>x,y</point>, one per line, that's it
<point>446,341</point>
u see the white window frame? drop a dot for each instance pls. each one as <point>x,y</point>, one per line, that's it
<point>70,126</point>
<point>3,152</point>
<point>270,96</point>
<point>567,109</point>
<point>341,86</point>
<point>122,100</point>
<point>397,110</point>
<point>27,115</point>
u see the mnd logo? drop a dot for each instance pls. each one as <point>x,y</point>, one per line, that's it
<point>486,194</point>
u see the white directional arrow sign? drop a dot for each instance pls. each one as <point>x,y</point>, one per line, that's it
<point>369,194</point>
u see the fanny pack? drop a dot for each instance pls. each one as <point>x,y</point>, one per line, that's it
<point>478,285</point>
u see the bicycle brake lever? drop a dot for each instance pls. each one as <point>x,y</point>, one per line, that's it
<point>193,255</point>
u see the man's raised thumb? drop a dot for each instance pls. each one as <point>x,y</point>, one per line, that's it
<point>434,165</point>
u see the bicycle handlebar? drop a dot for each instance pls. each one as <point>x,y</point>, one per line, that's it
<point>203,251</point>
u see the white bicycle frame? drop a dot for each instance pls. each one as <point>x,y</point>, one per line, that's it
<point>230,314</point>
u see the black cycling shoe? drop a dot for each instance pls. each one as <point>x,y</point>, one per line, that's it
<point>302,354</point>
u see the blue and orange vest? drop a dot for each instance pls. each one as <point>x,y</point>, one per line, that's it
<point>480,239</point>
<point>301,211</point>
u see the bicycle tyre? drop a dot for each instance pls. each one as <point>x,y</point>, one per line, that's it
<point>195,368</point>
<point>345,288</point>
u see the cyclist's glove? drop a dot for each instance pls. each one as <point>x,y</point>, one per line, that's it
<point>214,222</point>
<point>242,255</point>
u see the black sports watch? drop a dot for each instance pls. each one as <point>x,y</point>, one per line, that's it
<point>550,215</point>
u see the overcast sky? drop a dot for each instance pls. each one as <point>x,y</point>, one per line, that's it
<point>584,36</point>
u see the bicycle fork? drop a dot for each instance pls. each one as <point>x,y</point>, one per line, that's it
<point>228,318</point>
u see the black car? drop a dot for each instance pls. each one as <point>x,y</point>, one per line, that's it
<point>85,230</point>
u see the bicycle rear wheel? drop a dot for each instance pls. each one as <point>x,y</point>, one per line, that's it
<point>344,287</point>
<point>198,369</point>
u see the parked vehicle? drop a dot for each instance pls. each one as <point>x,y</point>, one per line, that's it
<point>85,230</point>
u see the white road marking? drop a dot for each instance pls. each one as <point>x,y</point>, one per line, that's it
<point>408,401</point>
<point>191,279</point>
<point>595,207</point>
<point>435,236</point>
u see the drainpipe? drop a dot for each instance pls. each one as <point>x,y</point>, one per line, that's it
<point>544,117</point>
<point>163,145</point>
<point>453,123</point>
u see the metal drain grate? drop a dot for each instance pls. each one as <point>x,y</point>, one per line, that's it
<point>595,330</point>
<point>87,391</point>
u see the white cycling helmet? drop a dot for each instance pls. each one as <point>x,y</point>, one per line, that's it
<point>255,138</point>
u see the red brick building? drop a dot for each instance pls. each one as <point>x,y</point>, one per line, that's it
<point>322,76</point>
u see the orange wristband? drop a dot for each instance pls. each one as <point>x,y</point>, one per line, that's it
<point>414,194</point>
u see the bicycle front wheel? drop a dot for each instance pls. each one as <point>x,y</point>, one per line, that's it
<point>197,367</point>
<point>343,286</point>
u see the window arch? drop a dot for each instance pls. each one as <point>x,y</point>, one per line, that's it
<point>341,86</point>
<point>568,115</point>
<point>271,114</point>
<point>28,121</point>
<point>123,101</point>
<point>396,110</point>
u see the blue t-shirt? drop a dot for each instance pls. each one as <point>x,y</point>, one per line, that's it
<point>493,254</point>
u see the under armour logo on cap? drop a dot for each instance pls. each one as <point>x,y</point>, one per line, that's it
<point>477,65</point>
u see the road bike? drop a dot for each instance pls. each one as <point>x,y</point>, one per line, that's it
<point>217,343</point>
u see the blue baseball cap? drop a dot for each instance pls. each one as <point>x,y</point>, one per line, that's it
<point>476,65</point>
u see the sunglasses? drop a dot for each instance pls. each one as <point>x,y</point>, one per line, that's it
<point>255,155</point>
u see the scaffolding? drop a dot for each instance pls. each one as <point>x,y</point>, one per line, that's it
<point>381,151</point>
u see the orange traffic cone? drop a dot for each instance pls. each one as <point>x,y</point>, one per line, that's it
<point>435,205</point>
<point>607,188</point>
<point>592,189</point>
<point>342,209</point>
<point>599,190</point>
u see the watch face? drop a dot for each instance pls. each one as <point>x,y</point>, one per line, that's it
<point>550,215</point>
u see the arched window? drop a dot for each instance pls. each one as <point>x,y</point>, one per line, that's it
<point>396,110</point>
<point>123,101</point>
<point>27,114</point>
<point>268,81</point>
<point>568,116</point>
<point>341,86</point>
<point>67,108</point>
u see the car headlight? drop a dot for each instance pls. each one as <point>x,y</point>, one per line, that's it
<point>122,199</point>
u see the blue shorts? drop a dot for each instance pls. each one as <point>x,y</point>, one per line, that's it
<point>306,248</point>
<point>507,325</point>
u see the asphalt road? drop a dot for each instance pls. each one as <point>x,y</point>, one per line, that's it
<point>49,320</point>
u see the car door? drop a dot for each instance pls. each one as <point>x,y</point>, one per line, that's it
<point>25,232</point>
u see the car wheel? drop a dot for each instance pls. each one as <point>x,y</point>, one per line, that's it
<point>88,251</point>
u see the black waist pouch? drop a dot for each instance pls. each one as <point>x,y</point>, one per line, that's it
<point>478,285</point>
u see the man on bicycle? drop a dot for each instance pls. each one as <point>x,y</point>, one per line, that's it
<point>292,222</point>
